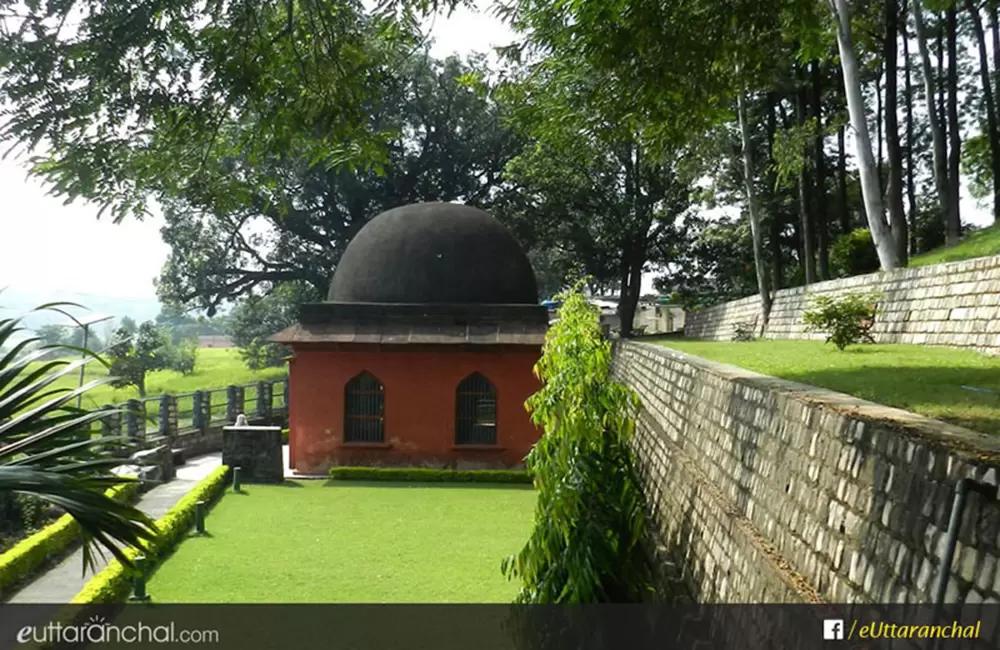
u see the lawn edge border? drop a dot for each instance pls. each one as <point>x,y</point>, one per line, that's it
<point>28,558</point>
<point>430,475</point>
<point>113,583</point>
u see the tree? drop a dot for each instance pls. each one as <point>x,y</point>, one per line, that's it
<point>137,102</point>
<point>128,325</point>
<point>585,546</point>
<point>183,356</point>
<point>44,455</point>
<point>446,142</point>
<point>51,335</point>
<point>134,355</point>
<point>256,318</point>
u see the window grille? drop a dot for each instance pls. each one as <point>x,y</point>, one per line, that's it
<point>476,412</point>
<point>364,409</point>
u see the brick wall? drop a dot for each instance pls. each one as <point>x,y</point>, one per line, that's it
<point>764,490</point>
<point>955,304</point>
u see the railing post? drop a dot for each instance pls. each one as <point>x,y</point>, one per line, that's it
<point>197,417</point>
<point>111,423</point>
<point>234,402</point>
<point>135,418</point>
<point>285,389</point>
<point>168,415</point>
<point>264,399</point>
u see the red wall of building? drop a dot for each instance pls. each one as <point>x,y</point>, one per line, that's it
<point>420,385</point>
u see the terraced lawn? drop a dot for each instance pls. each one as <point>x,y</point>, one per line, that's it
<point>946,384</point>
<point>325,542</point>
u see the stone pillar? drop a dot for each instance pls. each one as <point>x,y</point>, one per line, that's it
<point>264,397</point>
<point>168,415</point>
<point>199,418</point>
<point>135,418</point>
<point>234,402</point>
<point>111,424</point>
<point>256,451</point>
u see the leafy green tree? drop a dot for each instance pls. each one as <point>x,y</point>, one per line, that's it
<point>183,356</point>
<point>51,334</point>
<point>43,454</point>
<point>256,318</point>
<point>585,546</point>
<point>445,142</point>
<point>128,325</point>
<point>132,356</point>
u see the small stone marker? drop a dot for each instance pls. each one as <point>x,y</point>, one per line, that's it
<point>139,585</point>
<point>199,517</point>
<point>236,479</point>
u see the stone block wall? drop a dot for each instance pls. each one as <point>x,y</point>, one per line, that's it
<point>764,490</point>
<point>955,304</point>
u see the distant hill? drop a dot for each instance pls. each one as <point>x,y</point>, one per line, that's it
<point>16,302</point>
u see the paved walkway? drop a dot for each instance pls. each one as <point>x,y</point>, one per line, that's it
<point>65,580</point>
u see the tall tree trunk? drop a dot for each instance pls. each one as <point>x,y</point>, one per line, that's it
<point>870,190</point>
<point>988,97</point>
<point>897,215</point>
<point>805,213</point>
<point>991,6</point>
<point>953,229</point>
<point>774,222</point>
<point>632,277</point>
<point>936,117</point>
<point>819,196</point>
<point>879,121</point>
<point>752,210</point>
<point>911,195</point>
<point>845,208</point>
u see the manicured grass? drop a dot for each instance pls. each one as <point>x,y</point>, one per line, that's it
<point>331,542</point>
<point>215,368</point>
<point>981,243</point>
<point>920,379</point>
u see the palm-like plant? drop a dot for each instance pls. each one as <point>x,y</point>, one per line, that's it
<point>47,447</point>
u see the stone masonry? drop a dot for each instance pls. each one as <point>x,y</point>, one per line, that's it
<point>764,490</point>
<point>955,304</point>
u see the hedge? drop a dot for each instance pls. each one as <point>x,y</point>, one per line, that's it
<point>25,558</point>
<point>430,475</point>
<point>114,582</point>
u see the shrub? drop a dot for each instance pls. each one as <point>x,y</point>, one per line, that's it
<point>854,254</point>
<point>23,560</point>
<point>847,320</point>
<point>113,584</point>
<point>429,475</point>
<point>586,544</point>
<point>744,332</point>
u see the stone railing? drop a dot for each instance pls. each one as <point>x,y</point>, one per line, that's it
<point>955,304</point>
<point>764,490</point>
<point>192,422</point>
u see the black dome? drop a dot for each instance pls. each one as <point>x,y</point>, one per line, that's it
<point>434,253</point>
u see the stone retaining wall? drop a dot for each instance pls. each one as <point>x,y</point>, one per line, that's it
<point>955,304</point>
<point>764,490</point>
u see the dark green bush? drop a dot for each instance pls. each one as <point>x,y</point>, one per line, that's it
<point>429,475</point>
<point>847,320</point>
<point>854,254</point>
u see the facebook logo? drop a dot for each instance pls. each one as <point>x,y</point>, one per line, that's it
<point>833,629</point>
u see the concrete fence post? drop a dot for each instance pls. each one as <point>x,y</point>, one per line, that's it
<point>111,424</point>
<point>234,402</point>
<point>197,414</point>
<point>168,415</point>
<point>264,397</point>
<point>135,418</point>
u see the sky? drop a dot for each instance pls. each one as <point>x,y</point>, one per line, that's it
<point>100,259</point>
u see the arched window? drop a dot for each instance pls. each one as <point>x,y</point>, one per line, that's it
<point>476,411</point>
<point>364,409</point>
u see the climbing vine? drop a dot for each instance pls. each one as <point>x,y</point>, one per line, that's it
<point>585,546</point>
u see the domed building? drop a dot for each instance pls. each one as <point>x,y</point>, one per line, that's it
<point>424,350</point>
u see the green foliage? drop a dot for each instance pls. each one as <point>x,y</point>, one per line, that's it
<point>847,319</point>
<point>183,357</point>
<point>854,254</point>
<point>23,560</point>
<point>429,475</point>
<point>114,583</point>
<point>976,165</point>
<point>586,545</point>
<point>256,318</point>
<point>744,332</point>
<point>47,449</point>
<point>134,355</point>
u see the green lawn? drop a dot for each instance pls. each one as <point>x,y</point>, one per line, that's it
<point>319,542</point>
<point>215,368</point>
<point>924,380</point>
<point>981,243</point>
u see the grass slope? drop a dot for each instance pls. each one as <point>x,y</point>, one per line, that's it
<point>920,379</point>
<point>215,368</point>
<point>981,243</point>
<point>319,542</point>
